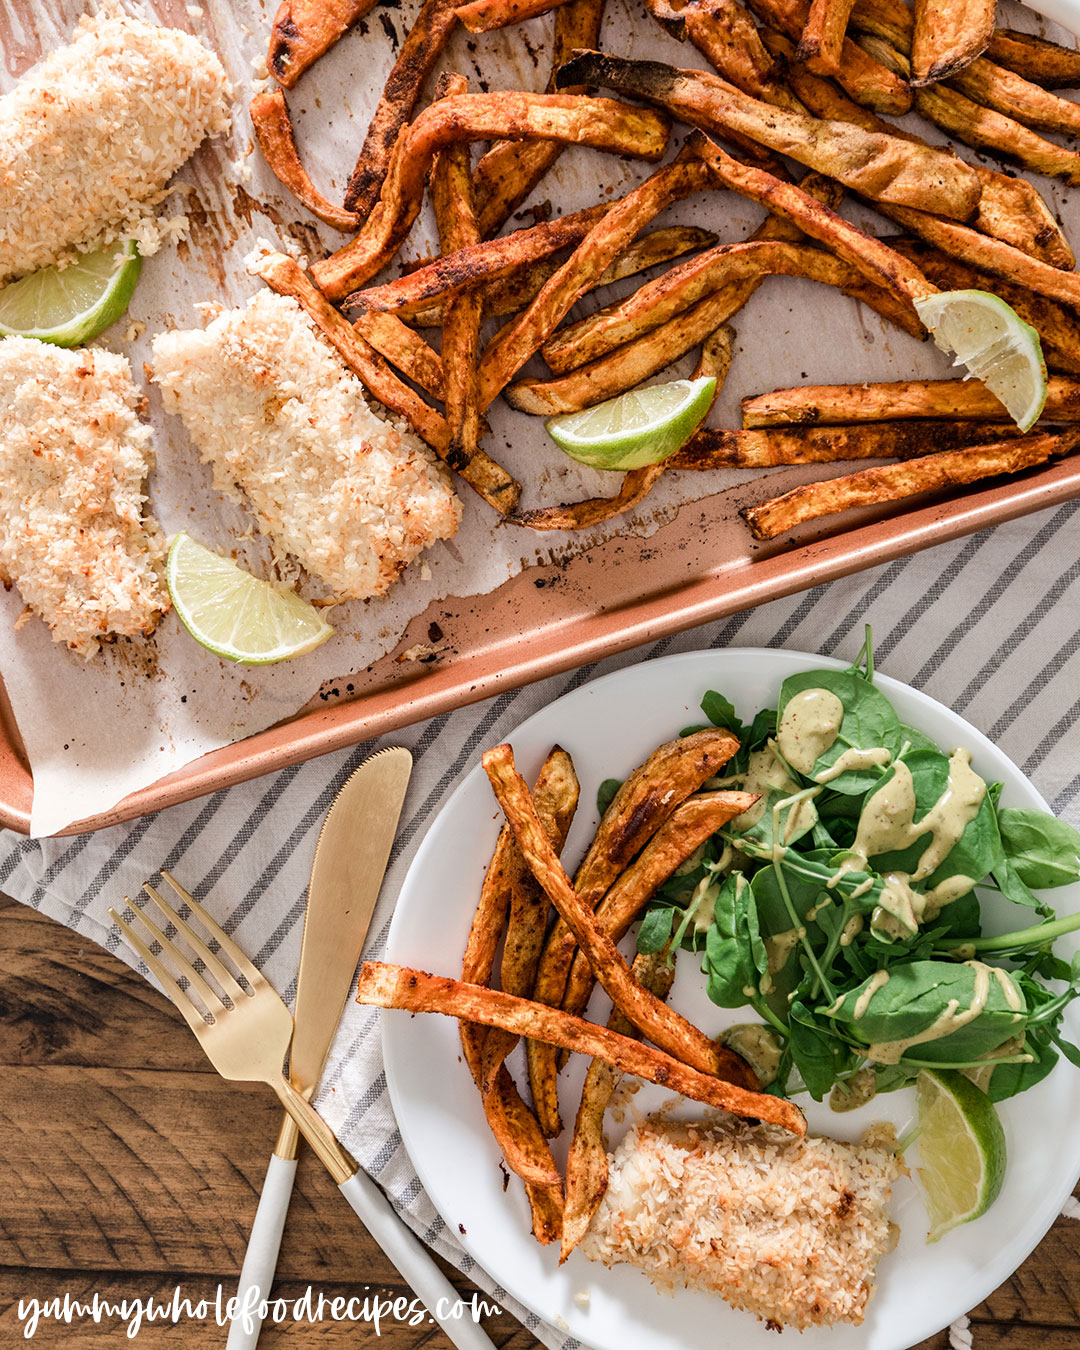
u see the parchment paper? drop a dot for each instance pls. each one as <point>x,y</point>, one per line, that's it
<point>96,731</point>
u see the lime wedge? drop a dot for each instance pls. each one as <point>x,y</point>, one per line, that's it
<point>235,615</point>
<point>70,305</point>
<point>641,427</point>
<point>961,1147</point>
<point>996,345</point>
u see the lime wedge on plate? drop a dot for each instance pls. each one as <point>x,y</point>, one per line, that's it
<point>996,345</point>
<point>235,615</point>
<point>961,1147</point>
<point>70,305</point>
<point>641,427</point>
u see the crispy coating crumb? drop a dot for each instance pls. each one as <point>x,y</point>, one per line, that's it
<point>91,135</point>
<point>74,534</point>
<point>268,403</point>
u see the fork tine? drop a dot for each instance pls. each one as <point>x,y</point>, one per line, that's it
<point>221,972</point>
<point>210,996</point>
<point>249,971</point>
<point>190,1013</point>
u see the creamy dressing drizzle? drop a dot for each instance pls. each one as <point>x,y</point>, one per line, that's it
<point>877,981</point>
<point>950,1020</point>
<point>809,727</point>
<point>854,759</point>
<point>778,947</point>
<point>766,770</point>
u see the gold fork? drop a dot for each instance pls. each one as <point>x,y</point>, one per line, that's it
<point>245,1033</point>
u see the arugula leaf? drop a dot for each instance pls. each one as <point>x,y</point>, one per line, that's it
<point>1013,887</point>
<point>1044,851</point>
<point>605,794</point>
<point>1009,1079</point>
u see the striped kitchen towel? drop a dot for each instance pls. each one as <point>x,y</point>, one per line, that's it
<point>990,625</point>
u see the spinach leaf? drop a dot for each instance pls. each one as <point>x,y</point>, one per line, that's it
<point>1013,887</point>
<point>735,956</point>
<point>916,739</point>
<point>758,839</point>
<point>605,793</point>
<point>1044,851</point>
<point>721,713</point>
<point>817,1056</point>
<point>869,721</point>
<point>655,929</point>
<point>761,728</point>
<point>1009,1079</point>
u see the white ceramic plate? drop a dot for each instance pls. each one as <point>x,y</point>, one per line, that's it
<point>609,727</point>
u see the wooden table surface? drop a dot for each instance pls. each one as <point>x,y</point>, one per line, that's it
<point>128,1166</point>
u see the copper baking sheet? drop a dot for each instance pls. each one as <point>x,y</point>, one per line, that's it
<point>700,566</point>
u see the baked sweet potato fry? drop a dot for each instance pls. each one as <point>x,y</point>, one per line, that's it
<point>948,35</point>
<point>511,295</point>
<point>949,400</point>
<point>989,255</point>
<point>714,359</point>
<point>717,448</point>
<point>1042,62</point>
<point>822,39</point>
<point>895,482</point>
<point>586,1163</point>
<point>1011,94</point>
<point>696,820</point>
<point>584,515</point>
<point>866,80</point>
<point>1009,208</point>
<point>480,264</point>
<point>728,38</point>
<point>652,793</point>
<point>1057,322</point>
<point>602,124</point>
<point>510,170</point>
<point>556,797</point>
<point>274,132</point>
<point>424,44</point>
<point>985,129</point>
<point>665,1027</point>
<point>304,29</point>
<point>877,263</point>
<point>484,16</point>
<point>385,986</point>
<point>876,165</point>
<point>677,289</point>
<point>511,1122</point>
<point>519,339</point>
<point>404,349</point>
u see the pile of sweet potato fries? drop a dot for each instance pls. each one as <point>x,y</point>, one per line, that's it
<point>812,81</point>
<point>655,821</point>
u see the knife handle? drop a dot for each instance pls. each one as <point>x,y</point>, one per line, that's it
<point>260,1260</point>
<point>413,1260</point>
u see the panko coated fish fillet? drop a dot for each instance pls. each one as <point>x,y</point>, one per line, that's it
<point>90,136</point>
<point>74,534</point>
<point>790,1229</point>
<point>270,405</point>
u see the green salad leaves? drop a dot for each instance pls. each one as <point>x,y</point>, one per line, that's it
<point>845,908</point>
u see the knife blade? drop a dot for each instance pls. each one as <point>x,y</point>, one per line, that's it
<point>351,856</point>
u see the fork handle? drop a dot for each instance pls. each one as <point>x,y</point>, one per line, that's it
<point>260,1260</point>
<point>414,1261</point>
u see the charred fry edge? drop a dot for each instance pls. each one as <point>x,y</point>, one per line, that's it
<point>386,986</point>
<point>423,45</point>
<point>583,515</point>
<point>713,448</point>
<point>303,30</point>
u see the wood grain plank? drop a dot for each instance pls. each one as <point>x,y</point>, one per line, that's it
<point>506,1332</point>
<point>64,1000</point>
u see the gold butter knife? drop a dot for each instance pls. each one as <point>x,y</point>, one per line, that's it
<point>350,861</point>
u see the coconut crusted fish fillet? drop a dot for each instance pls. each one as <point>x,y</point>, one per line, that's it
<point>790,1229</point>
<point>90,136</point>
<point>269,404</point>
<point>74,534</point>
